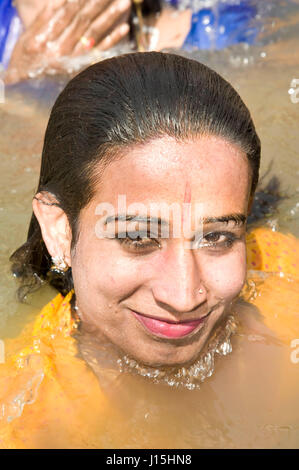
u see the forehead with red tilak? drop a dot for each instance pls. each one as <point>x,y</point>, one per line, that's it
<point>186,202</point>
<point>187,196</point>
<point>207,170</point>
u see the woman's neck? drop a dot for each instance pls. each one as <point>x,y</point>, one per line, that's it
<point>108,362</point>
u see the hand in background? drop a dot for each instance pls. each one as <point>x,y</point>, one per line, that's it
<point>68,28</point>
<point>173,27</point>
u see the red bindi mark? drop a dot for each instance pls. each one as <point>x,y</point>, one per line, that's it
<point>186,203</point>
<point>187,196</point>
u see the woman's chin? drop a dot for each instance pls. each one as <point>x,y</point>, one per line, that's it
<point>165,361</point>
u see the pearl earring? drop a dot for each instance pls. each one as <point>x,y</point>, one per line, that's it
<point>59,265</point>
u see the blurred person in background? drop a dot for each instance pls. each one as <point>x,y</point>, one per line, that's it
<point>207,24</point>
<point>36,35</point>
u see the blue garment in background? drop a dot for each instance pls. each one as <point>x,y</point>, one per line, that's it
<point>221,26</point>
<point>211,28</point>
<point>10,29</point>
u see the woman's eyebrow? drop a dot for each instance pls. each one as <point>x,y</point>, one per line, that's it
<point>135,218</point>
<point>238,219</point>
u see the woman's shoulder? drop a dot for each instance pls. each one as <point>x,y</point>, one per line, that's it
<point>272,251</point>
<point>272,284</point>
<point>41,380</point>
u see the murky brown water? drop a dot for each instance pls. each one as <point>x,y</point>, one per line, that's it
<point>252,398</point>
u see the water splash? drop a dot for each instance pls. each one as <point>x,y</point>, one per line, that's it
<point>26,395</point>
<point>255,278</point>
<point>188,377</point>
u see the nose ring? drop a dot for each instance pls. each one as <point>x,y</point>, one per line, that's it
<point>200,291</point>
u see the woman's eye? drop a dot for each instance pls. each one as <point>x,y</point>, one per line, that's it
<point>212,237</point>
<point>217,240</point>
<point>138,243</point>
<point>144,243</point>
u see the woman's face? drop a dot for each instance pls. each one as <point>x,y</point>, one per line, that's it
<point>158,299</point>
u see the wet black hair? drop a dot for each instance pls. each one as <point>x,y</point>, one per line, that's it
<point>114,104</point>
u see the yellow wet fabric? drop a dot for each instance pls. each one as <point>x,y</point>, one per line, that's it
<point>272,251</point>
<point>46,389</point>
<point>273,279</point>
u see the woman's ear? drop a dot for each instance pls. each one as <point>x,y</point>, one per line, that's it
<point>54,224</point>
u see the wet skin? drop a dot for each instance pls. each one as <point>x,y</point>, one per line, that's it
<point>141,294</point>
<point>161,278</point>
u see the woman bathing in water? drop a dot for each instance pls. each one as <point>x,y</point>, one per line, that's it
<point>149,169</point>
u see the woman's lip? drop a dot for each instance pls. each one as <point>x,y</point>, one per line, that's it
<point>168,329</point>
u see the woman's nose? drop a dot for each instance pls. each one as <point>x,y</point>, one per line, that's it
<point>178,284</point>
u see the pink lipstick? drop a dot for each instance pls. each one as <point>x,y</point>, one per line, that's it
<point>168,329</point>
